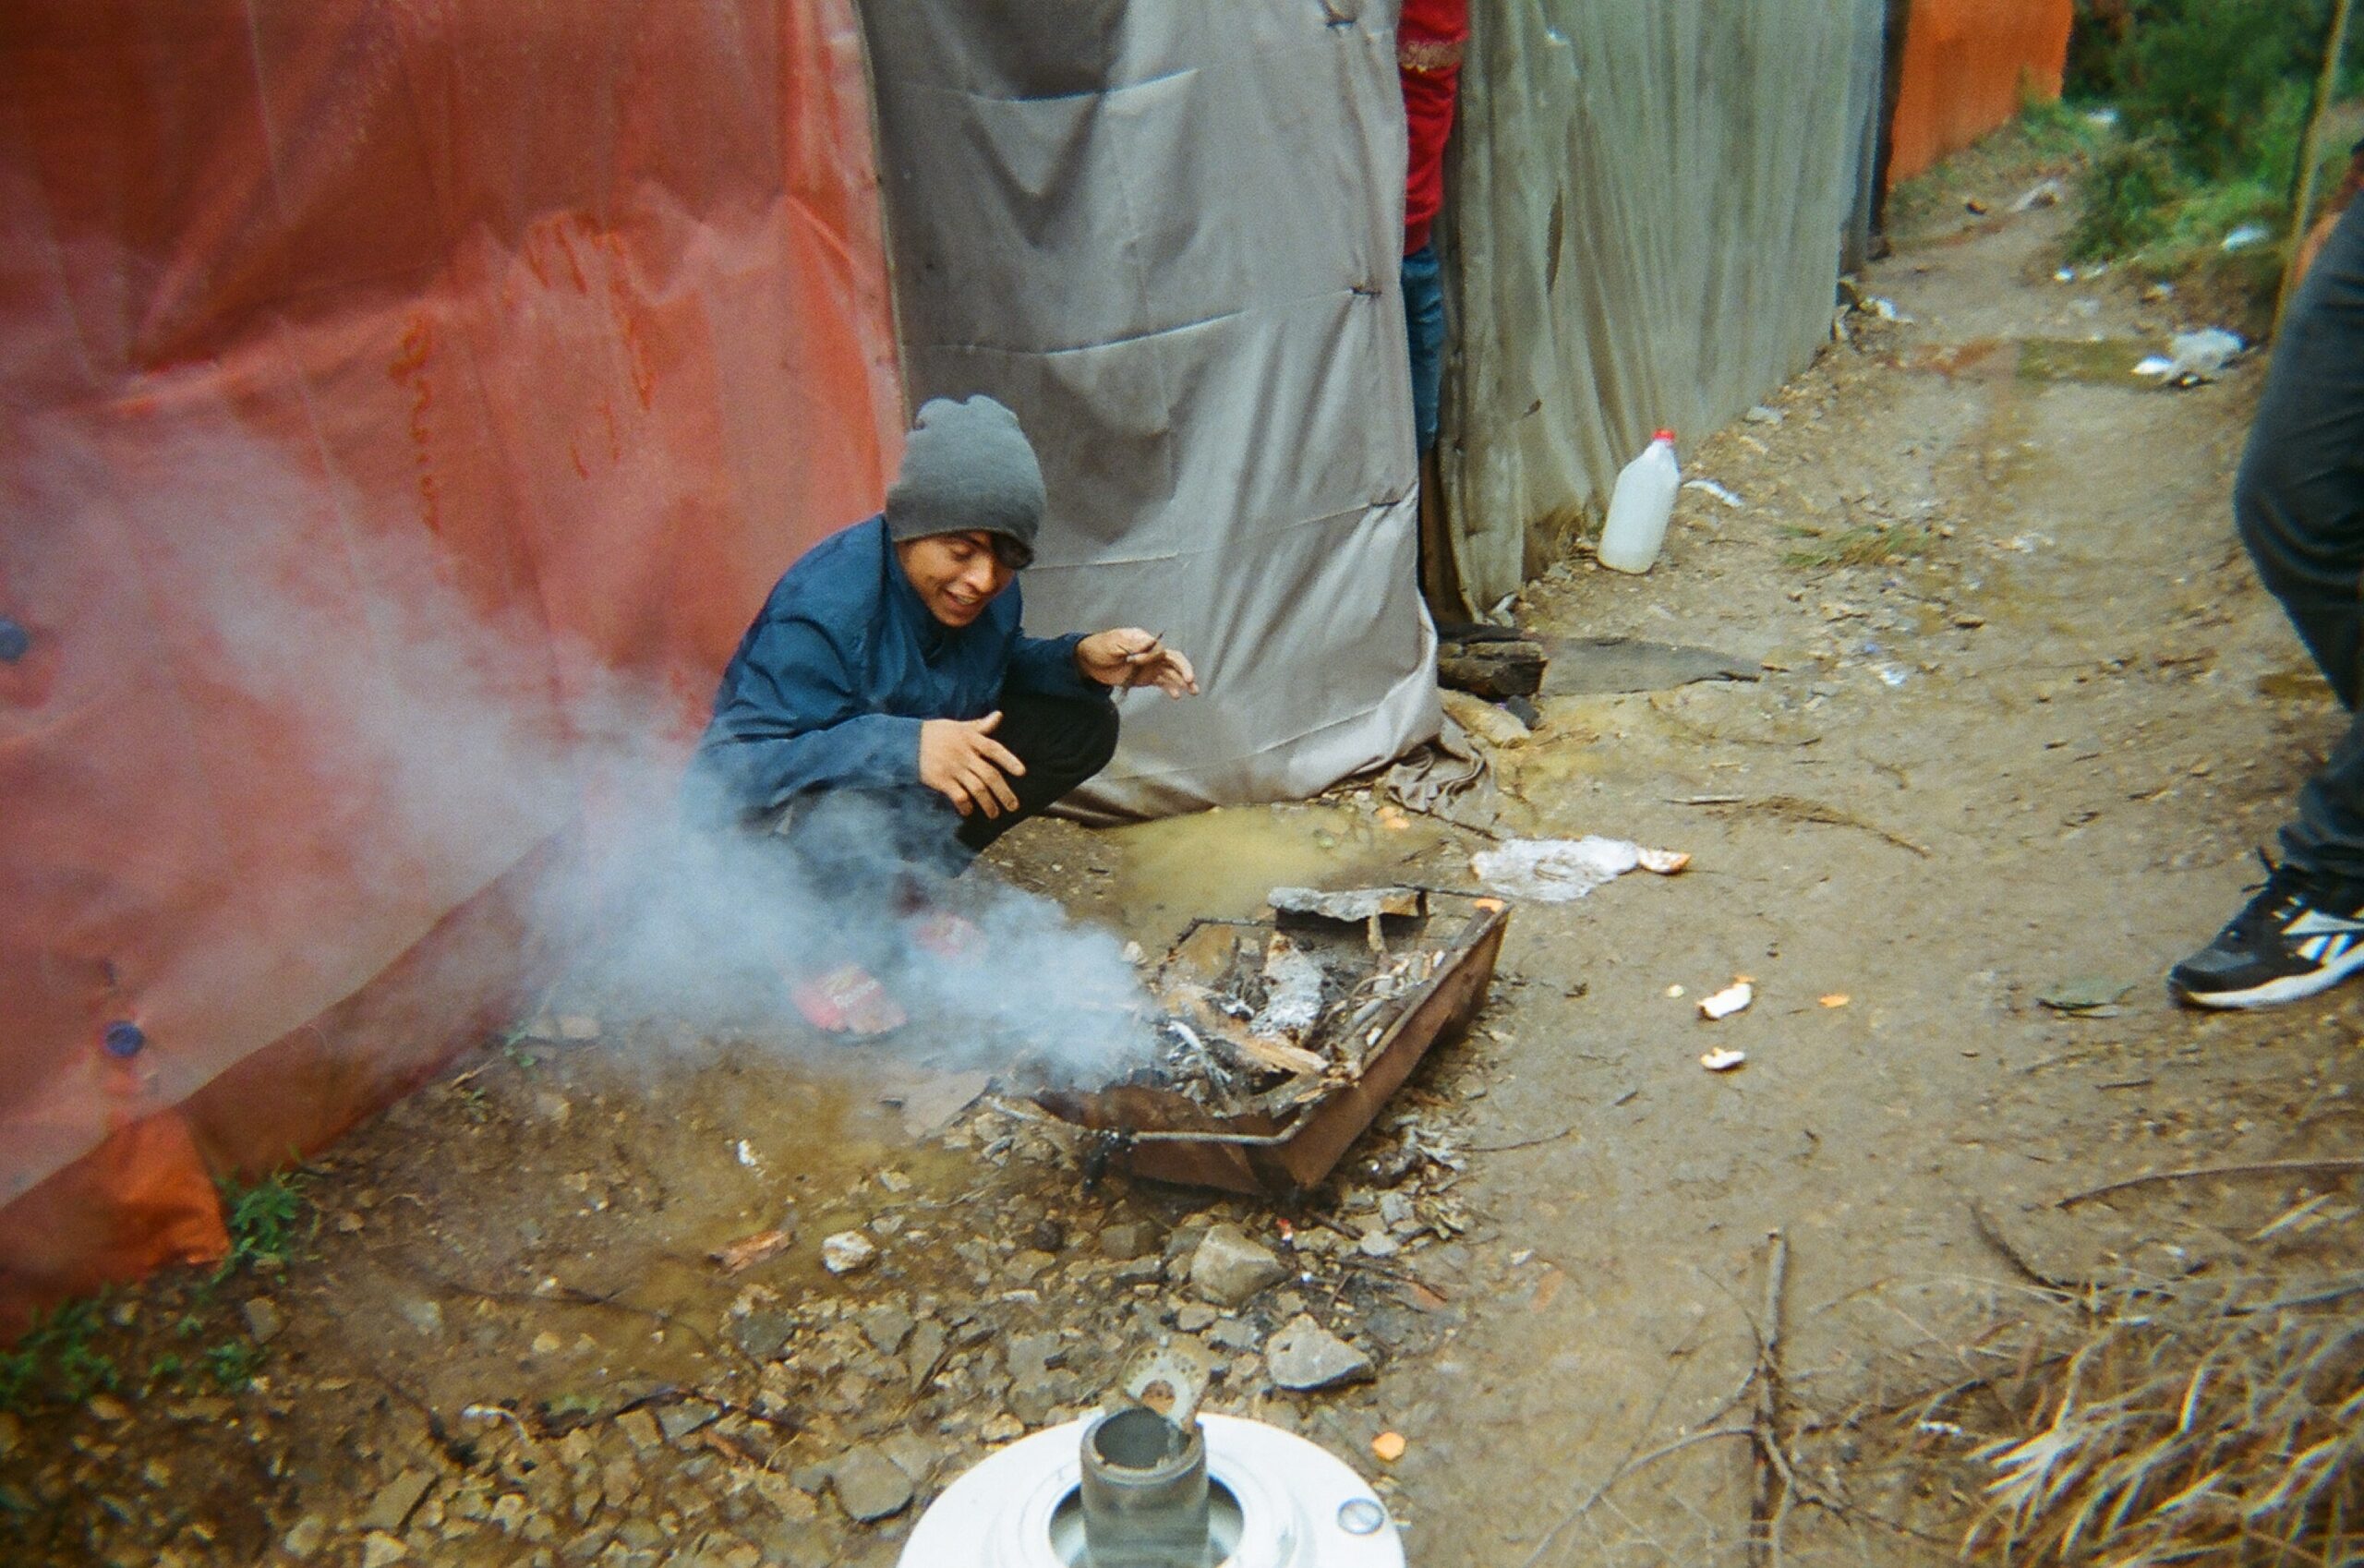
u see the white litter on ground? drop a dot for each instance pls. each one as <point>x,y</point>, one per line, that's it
<point>2194,357</point>
<point>1722,1061</point>
<point>1552,871</point>
<point>1728,1001</point>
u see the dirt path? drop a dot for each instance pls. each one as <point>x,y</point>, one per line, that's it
<point>2069,696</point>
<point>2032,745</point>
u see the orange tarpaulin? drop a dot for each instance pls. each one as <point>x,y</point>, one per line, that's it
<point>1968,65</point>
<point>386,393</point>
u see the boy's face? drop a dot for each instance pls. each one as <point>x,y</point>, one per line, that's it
<point>955,575</point>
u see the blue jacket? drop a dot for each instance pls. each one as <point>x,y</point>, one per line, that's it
<point>830,685</point>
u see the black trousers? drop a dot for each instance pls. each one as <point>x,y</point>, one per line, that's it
<point>851,838</point>
<point>2300,504</point>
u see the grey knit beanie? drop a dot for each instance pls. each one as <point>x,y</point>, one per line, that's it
<point>968,465</point>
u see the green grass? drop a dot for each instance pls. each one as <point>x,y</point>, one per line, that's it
<point>265,1219</point>
<point>1869,544</point>
<point>234,1362</point>
<point>59,1357</point>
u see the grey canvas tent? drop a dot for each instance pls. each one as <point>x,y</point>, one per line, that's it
<point>1167,233</point>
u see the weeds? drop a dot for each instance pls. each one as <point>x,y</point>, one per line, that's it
<point>56,1355</point>
<point>2129,190</point>
<point>59,1357</point>
<point>1869,544</point>
<point>234,1362</point>
<point>20,1368</point>
<point>2212,97</point>
<point>263,1220</point>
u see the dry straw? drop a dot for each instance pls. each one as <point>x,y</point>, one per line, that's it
<point>2196,1423</point>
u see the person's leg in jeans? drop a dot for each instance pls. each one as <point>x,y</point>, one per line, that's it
<point>2300,505</point>
<point>1424,325</point>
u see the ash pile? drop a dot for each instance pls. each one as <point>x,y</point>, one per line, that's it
<point>1260,1019</point>
<point>1280,1041</point>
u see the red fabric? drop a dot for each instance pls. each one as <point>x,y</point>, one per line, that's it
<point>1428,41</point>
<point>386,392</point>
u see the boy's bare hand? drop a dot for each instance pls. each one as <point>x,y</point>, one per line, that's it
<point>960,760</point>
<point>1126,656</point>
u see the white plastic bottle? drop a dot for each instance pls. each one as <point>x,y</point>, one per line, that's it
<point>1640,507</point>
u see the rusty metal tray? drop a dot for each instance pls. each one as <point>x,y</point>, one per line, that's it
<point>1165,1136</point>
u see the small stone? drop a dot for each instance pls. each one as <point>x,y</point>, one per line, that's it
<point>262,1318</point>
<point>912,1455</point>
<point>508,1512</point>
<point>378,1549</point>
<point>390,1508</point>
<point>1123,1243</point>
<point>1194,1317</point>
<point>762,1335</point>
<point>796,1544</point>
<point>1034,1395</point>
<point>1027,1267</point>
<point>1003,1427</point>
<point>305,1537</point>
<point>870,1486</point>
<point>847,1251</point>
<point>927,1344</point>
<point>679,1421</point>
<point>1031,1354</point>
<point>1305,1356</point>
<point>423,1315</point>
<point>1395,1211</point>
<point>894,1181</point>
<point>108,1408</point>
<point>1141,1270</point>
<point>1047,1236</point>
<point>1228,1269</point>
<point>886,1327</point>
<point>1378,1244</point>
<point>640,1429</point>
<point>1230,1333</point>
<point>547,1344</point>
<point>1760,414</point>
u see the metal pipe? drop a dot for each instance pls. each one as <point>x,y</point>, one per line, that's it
<point>1144,1492</point>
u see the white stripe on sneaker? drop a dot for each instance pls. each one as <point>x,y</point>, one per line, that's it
<point>2289,988</point>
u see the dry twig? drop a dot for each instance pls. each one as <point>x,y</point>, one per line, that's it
<point>2257,1167</point>
<point>1797,808</point>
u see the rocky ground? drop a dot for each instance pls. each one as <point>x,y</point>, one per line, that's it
<point>2020,715</point>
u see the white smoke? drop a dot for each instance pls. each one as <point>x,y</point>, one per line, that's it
<point>394,736</point>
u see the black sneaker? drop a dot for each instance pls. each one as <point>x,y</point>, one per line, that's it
<point>2290,941</point>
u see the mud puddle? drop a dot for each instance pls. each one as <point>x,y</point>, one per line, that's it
<point>1221,863</point>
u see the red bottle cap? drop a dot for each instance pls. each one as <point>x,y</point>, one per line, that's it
<point>1666,435</point>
